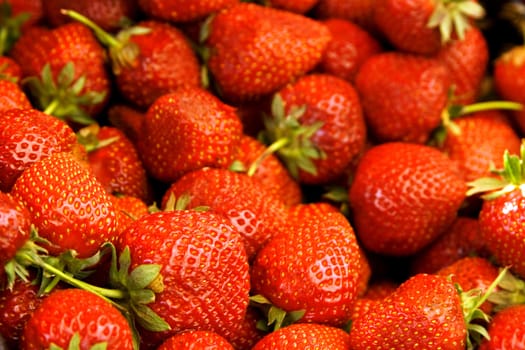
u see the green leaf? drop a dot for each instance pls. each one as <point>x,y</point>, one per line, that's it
<point>276,317</point>
<point>124,264</point>
<point>143,275</point>
<point>277,107</point>
<point>471,9</point>
<point>259,299</point>
<point>66,75</point>
<point>485,184</point>
<point>142,296</point>
<point>148,319</point>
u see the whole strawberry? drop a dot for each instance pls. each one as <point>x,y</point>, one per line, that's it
<point>505,329</point>
<point>67,205</point>
<point>72,315</point>
<point>187,130</point>
<point>402,95</point>
<point>181,11</point>
<point>403,196</point>
<point>256,50</point>
<point>196,340</point>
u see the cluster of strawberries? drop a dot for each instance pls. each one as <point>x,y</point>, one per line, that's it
<point>226,174</point>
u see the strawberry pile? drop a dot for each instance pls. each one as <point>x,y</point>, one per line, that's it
<point>226,174</point>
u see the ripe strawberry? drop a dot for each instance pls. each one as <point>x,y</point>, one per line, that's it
<point>268,169</point>
<point>313,267</point>
<point>196,340</point>
<point>403,196</point>
<point>12,96</point>
<point>359,12</point>
<point>349,48</point>
<point>128,209</point>
<point>115,161</point>
<point>319,118</point>
<point>250,207</point>
<point>66,71</point>
<point>402,95</point>
<point>68,206</point>
<point>199,253</point>
<point>180,11</point>
<point>203,130</point>
<point>422,26</point>
<point>128,120</point>
<point>505,330</point>
<point>26,136</point>
<point>250,332</point>
<point>467,59</point>
<point>67,313</point>
<point>256,50</point>
<point>305,336</point>
<point>110,15</point>
<point>296,6</point>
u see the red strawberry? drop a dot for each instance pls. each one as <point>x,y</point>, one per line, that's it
<point>296,6</point>
<point>249,333</point>
<point>26,136</point>
<point>349,48</point>
<point>203,130</point>
<point>360,12</point>
<point>268,169</point>
<point>305,336</point>
<point>204,281</point>
<point>68,313</point>
<point>313,267</point>
<point>505,330</point>
<point>256,50</point>
<point>402,95</point>
<point>196,340</point>
<point>128,209</point>
<point>128,120</point>
<point>181,11</point>
<point>319,118</point>
<point>403,196</point>
<point>422,26</point>
<point>68,206</point>
<point>250,207</point>
<point>12,96</point>
<point>66,70</point>
<point>10,69</point>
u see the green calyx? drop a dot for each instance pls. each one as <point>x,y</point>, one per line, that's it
<point>453,16</point>
<point>511,291</point>
<point>290,139</point>
<point>510,177</point>
<point>275,316</point>
<point>61,96</point>
<point>74,344</point>
<point>88,137</point>
<point>122,52</point>
<point>10,27</point>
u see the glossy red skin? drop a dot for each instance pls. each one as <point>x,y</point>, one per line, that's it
<point>467,59</point>
<point>403,196</point>
<point>312,267</point>
<point>505,331</point>
<point>424,312</point>
<point>402,95</point>
<point>182,11</point>
<point>196,340</point>
<point>26,136</point>
<point>334,102</point>
<point>404,24</point>
<point>12,96</point>
<point>118,166</point>
<point>128,209</point>
<point>249,333</point>
<point>68,206</point>
<point>187,130</point>
<point>483,139</point>
<point>359,12</point>
<point>256,50</point>
<point>72,42</point>
<point>350,46</point>
<point>14,227</point>
<point>165,63</point>
<point>305,336</point>
<point>253,210</point>
<point>65,312</point>
<point>501,221</point>
<point>204,270</point>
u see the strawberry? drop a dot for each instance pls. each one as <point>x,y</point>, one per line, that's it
<point>180,11</point>
<point>250,332</point>
<point>10,70</point>
<point>115,161</point>
<point>250,207</point>
<point>403,196</point>
<point>203,130</point>
<point>12,96</point>
<point>16,17</point>
<point>199,253</point>
<point>196,340</point>
<point>268,169</point>
<point>320,121</point>
<point>69,316</point>
<point>305,336</point>
<point>110,15</point>
<point>26,136</point>
<point>402,95</point>
<point>349,48</point>
<point>256,50</point>
<point>128,209</point>
<point>128,120</point>
<point>68,206</point>
<point>296,6</point>
<point>359,12</point>
<point>149,59</point>
<point>505,330</point>
<point>313,267</point>
<point>422,26</point>
<point>65,69</point>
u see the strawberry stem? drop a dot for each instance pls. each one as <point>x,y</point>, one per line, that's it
<point>272,148</point>
<point>489,105</point>
<point>104,37</point>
